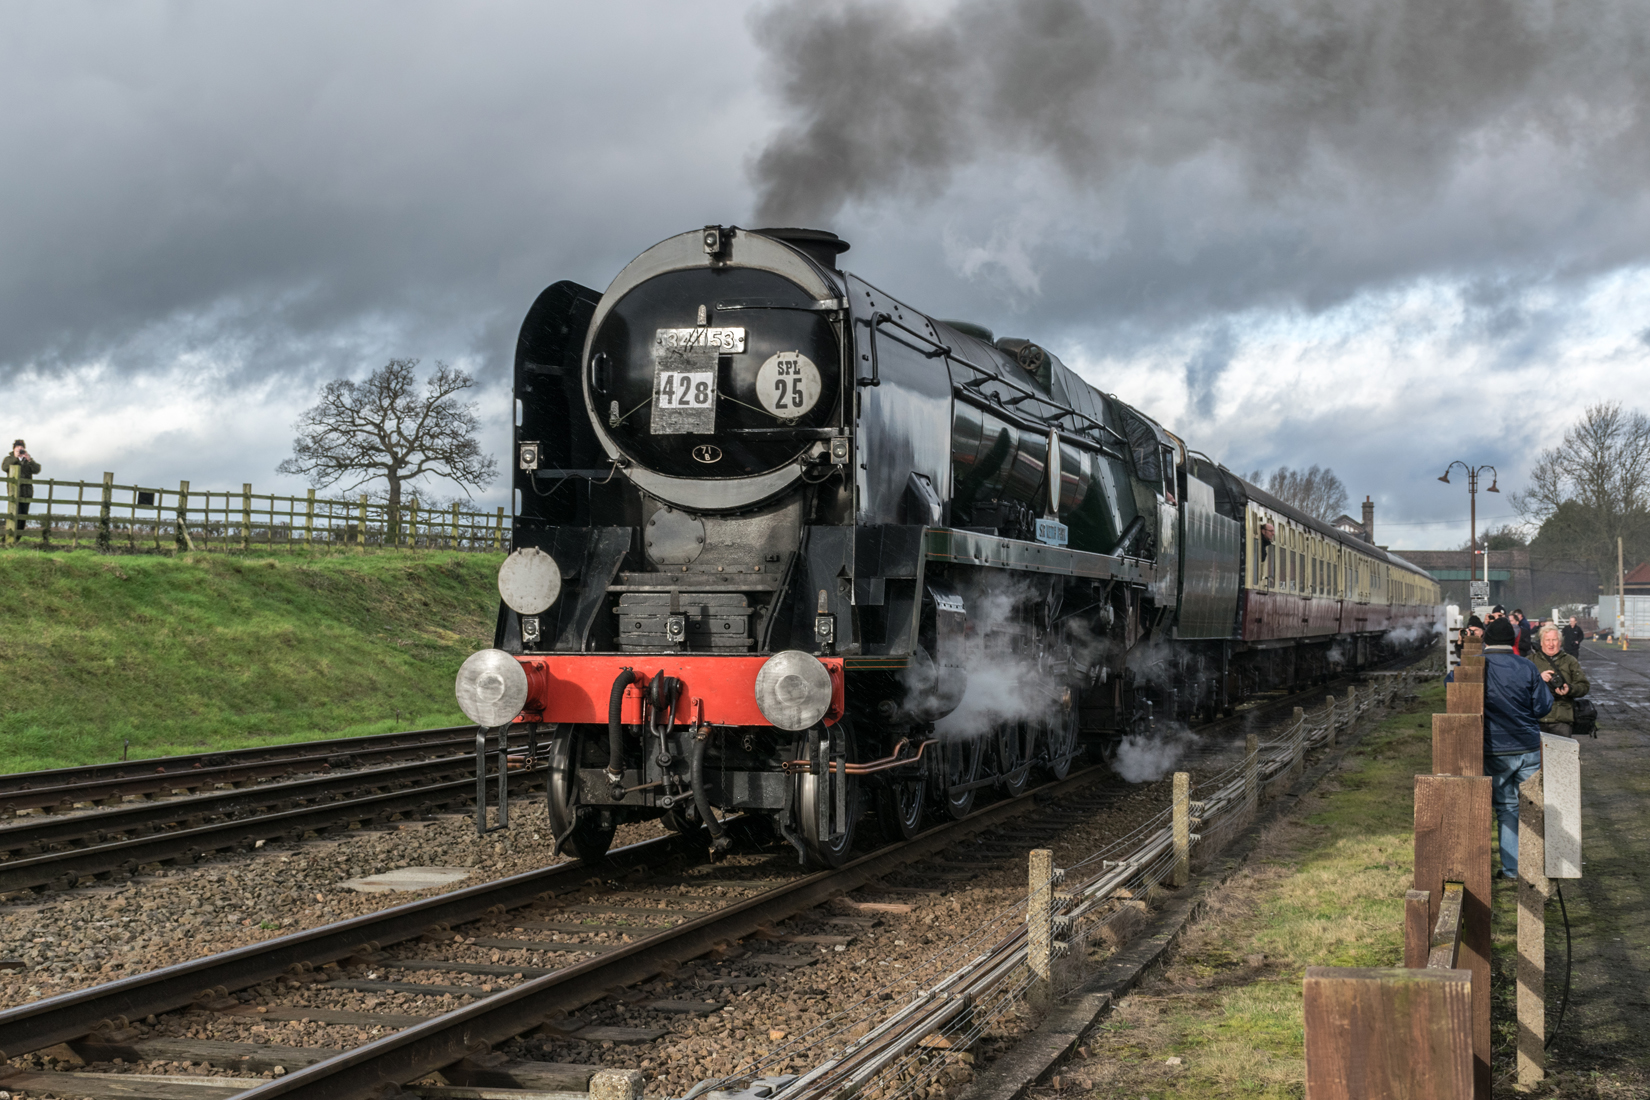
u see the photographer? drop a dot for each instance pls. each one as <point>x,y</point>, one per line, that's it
<point>1564,677</point>
<point>28,467</point>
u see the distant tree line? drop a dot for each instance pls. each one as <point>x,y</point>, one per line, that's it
<point>1590,490</point>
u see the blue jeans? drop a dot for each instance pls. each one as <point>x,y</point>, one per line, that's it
<point>1506,773</point>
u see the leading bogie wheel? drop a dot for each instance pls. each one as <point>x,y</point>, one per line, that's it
<point>827,842</point>
<point>585,832</point>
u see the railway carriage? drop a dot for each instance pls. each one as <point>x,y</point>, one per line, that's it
<point>773,526</point>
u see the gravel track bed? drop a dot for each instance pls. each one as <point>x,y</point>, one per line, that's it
<point>83,937</point>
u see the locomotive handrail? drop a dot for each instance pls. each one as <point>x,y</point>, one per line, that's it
<point>878,319</point>
<point>822,305</point>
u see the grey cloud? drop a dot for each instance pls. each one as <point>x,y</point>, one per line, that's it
<point>308,188</point>
<point>1215,155</point>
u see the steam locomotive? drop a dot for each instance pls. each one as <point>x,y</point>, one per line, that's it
<point>784,545</point>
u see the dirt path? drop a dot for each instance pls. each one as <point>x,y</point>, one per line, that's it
<point>1607,1027</point>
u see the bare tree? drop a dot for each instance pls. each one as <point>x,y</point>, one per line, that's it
<point>1593,488</point>
<point>1315,491</point>
<point>386,427</point>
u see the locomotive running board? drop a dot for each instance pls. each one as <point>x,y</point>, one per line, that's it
<point>972,548</point>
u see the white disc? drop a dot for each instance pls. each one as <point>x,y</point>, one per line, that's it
<point>529,581</point>
<point>491,688</point>
<point>793,689</point>
<point>788,384</point>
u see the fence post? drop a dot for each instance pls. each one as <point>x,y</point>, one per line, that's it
<point>105,537</point>
<point>14,483</point>
<point>1457,744</point>
<point>182,539</point>
<point>1330,720</point>
<point>46,520</point>
<point>1386,1034</point>
<point>412,540</point>
<point>1533,888</point>
<point>1461,698</point>
<point>1040,925</point>
<point>309,521</point>
<point>361,525</point>
<point>498,533</point>
<point>1452,844</point>
<point>1417,932</point>
<point>1182,873</point>
<point>246,516</point>
<point>454,546</point>
<point>1251,773</point>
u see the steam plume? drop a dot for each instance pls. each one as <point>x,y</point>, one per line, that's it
<point>1372,101</point>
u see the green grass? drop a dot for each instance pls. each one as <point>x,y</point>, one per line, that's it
<point>1324,888</point>
<point>210,651</point>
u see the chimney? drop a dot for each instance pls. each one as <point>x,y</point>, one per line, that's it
<point>1369,520</point>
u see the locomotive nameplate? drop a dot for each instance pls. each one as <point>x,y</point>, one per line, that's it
<point>726,341</point>
<point>684,387</point>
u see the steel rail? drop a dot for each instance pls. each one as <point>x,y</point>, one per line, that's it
<point>64,868</point>
<point>426,1047</point>
<point>33,835</point>
<point>144,766</point>
<point>41,1024</point>
<point>164,778</point>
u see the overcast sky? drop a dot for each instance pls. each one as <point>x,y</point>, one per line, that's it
<point>1376,235</point>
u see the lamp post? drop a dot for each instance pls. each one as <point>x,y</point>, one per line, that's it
<point>1472,498</point>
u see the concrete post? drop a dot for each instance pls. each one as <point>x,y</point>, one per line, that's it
<point>1533,888</point>
<point>1182,873</point>
<point>1251,774</point>
<point>1040,925</point>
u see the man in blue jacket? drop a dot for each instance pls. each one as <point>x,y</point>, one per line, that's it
<point>1515,698</point>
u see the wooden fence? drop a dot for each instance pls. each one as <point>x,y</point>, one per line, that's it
<point>1422,1031</point>
<point>111,516</point>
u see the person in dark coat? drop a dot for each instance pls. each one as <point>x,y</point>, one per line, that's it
<point>27,467</point>
<point>1572,638</point>
<point>1515,700</point>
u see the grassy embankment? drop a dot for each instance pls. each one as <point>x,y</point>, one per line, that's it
<point>212,651</point>
<point>1324,887</point>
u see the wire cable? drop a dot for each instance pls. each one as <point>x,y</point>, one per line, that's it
<point>1564,1001</point>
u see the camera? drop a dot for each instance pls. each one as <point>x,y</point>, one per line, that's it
<point>1556,682</point>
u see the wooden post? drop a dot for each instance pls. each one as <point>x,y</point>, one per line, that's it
<point>309,520</point>
<point>361,526</point>
<point>1417,932</point>
<point>498,533</point>
<point>46,520</point>
<point>1463,698</point>
<point>105,534</point>
<point>1251,773</point>
<point>183,540</point>
<point>454,545</point>
<point>246,516</point>
<point>79,510</point>
<point>412,534</point>
<point>1378,1034</point>
<point>1040,925</point>
<point>1457,744</point>
<point>1533,888</point>
<point>1452,844</point>
<point>1469,674</point>
<point>1182,873</point>
<point>1329,720</point>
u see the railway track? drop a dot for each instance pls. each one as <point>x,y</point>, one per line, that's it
<point>59,852</point>
<point>588,932</point>
<point>96,785</point>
